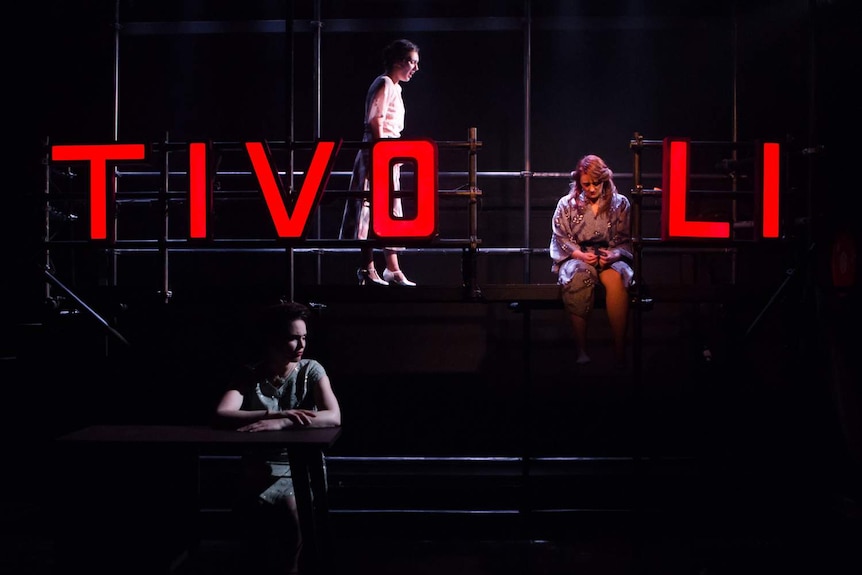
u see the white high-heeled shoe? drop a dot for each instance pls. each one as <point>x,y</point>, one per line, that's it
<point>397,278</point>
<point>370,275</point>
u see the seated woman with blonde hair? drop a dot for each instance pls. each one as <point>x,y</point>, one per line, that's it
<point>590,243</point>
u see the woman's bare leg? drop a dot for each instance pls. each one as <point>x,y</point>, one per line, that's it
<point>391,258</point>
<point>579,325</point>
<point>393,273</point>
<point>617,305</point>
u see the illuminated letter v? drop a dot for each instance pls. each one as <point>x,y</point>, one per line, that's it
<point>293,225</point>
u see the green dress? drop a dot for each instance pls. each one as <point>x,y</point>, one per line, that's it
<point>267,471</point>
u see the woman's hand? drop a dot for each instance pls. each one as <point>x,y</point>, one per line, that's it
<point>586,257</point>
<point>263,425</point>
<point>299,417</point>
<point>608,256</point>
<point>282,420</point>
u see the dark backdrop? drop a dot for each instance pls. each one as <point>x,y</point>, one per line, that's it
<point>595,74</point>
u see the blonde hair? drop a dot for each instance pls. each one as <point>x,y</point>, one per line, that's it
<point>598,171</point>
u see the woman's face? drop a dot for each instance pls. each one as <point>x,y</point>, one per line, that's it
<point>293,344</point>
<point>405,69</point>
<point>592,188</point>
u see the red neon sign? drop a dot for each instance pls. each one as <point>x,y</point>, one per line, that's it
<point>384,154</point>
<point>769,179</point>
<point>291,225</point>
<point>98,155</point>
<point>423,154</point>
<point>287,226</point>
<point>197,190</point>
<point>675,187</point>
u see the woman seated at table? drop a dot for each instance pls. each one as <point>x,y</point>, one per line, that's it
<point>282,390</point>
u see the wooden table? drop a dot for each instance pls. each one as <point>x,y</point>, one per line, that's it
<point>117,473</point>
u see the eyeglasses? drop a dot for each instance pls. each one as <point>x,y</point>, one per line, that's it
<point>597,185</point>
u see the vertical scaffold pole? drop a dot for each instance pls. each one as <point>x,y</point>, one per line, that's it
<point>469,271</point>
<point>164,207</point>
<point>637,243</point>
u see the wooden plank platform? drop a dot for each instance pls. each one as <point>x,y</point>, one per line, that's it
<point>533,295</point>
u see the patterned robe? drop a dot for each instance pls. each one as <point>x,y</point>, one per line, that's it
<point>574,227</point>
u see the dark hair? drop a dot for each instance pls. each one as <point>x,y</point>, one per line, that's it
<point>275,320</point>
<point>397,51</point>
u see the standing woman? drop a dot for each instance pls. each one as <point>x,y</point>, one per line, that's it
<point>384,118</point>
<point>590,242</point>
